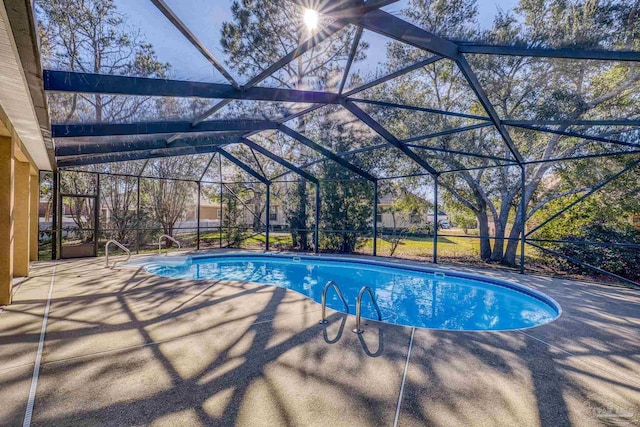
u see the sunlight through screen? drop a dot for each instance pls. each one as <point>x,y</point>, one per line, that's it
<point>311,19</point>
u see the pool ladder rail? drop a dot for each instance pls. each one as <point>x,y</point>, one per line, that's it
<point>166,236</point>
<point>121,246</point>
<point>358,329</point>
<point>363,290</point>
<point>331,284</point>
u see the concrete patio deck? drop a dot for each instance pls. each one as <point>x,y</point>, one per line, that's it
<point>124,347</point>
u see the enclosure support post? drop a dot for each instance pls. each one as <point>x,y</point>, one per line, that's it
<point>435,219</point>
<point>220,214</point>
<point>54,220</point>
<point>316,225</point>
<point>96,216</point>
<point>268,218</point>
<point>138,218</point>
<point>523,217</point>
<point>198,218</point>
<point>375,218</point>
<point>34,224</point>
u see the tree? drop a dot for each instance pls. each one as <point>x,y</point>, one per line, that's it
<point>92,36</point>
<point>569,89</point>
<point>460,215</point>
<point>613,205</point>
<point>119,194</point>
<point>167,194</point>
<point>80,208</point>
<point>346,198</point>
<point>405,207</point>
<point>521,87</point>
<point>346,211</point>
<point>260,33</point>
<point>233,217</point>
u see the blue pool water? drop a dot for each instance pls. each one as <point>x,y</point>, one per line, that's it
<point>406,295</point>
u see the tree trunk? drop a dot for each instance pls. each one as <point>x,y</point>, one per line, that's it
<point>298,233</point>
<point>258,209</point>
<point>501,228</point>
<point>498,243</point>
<point>483,227</point>
<point>515,234</point>
<point>512,246</point>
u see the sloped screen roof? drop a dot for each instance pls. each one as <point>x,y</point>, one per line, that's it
<point>384,88</point>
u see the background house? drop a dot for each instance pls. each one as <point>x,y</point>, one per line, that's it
<point>213,213</point>
<point>417,212</point>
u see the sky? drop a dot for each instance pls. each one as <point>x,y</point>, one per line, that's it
<point>205,18</point>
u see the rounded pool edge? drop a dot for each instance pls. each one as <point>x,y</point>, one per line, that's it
<point>517,287</point>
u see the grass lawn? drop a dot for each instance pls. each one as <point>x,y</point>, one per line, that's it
<point>416,247</point>
<point>451,247</point>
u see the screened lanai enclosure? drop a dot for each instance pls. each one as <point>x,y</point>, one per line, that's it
<point>429,130</point>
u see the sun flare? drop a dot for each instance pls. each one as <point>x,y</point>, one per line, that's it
<point>311,19</point>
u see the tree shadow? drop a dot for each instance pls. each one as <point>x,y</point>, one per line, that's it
<point>222,351</point>
<point>257,332</point>
<point>568,372</point>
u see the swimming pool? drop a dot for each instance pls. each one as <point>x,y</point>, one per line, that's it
<point>407,295</point>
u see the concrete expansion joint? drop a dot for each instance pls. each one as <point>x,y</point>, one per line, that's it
<point>404,379</point>
<point>36,368</point>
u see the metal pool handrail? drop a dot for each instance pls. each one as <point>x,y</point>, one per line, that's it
<point>364,289</point>
<point>331,284</point>
<point>121,246</point>
<point>166,236</point>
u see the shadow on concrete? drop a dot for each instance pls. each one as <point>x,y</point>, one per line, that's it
<point>137,349</point>
<point>582,369</point>
<point>255,329</point>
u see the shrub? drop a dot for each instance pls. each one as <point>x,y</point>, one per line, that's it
<point>622,261</point>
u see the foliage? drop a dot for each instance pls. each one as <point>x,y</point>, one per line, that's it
<point>346,200</point>
<point>165,198</point>
<point>346,207</point>
<point>236,231</point>
<point>46,193</point>
<point>459,214</point>
<point>463,219</point>
<point>297,214</point>
<point>404,208</point>
<point>455,19</point>
<point>261,32</point>
<point>622,261</point>
<point>519,88</point>
<point>92,36</point>
<point>613,204</point>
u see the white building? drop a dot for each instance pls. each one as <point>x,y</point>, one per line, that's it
<point>390,216</point>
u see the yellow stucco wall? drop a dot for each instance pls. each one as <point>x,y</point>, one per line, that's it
<point>19,194</point>
<point>34,191</point>
<point>6,218</point>
<point>21,219</point>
